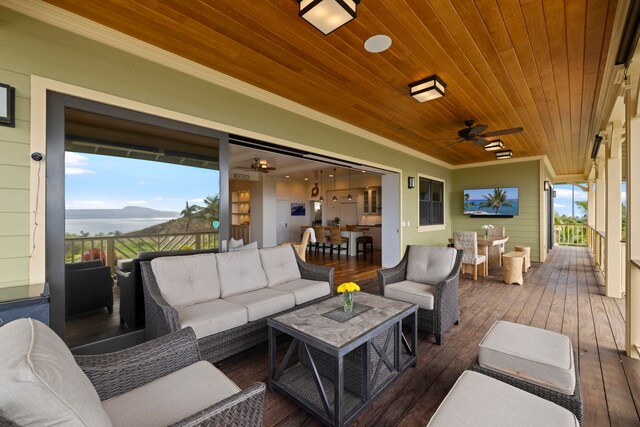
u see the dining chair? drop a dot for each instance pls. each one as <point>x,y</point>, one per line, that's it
<point>468,242</point>
<point>321,239</point>
<point>498,232</point>
<point>336,240</point>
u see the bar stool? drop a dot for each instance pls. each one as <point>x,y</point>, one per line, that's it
<point>321,239</point>
<point>364,241</point>
<point>336,240</point>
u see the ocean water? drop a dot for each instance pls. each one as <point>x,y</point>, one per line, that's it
<point>504,210</point>
<point>101,225</point>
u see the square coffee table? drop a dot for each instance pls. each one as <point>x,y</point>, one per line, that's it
<point>342,363</point>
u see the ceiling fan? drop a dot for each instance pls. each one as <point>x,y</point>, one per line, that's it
<point>259,165</point>
<point>474,133</point>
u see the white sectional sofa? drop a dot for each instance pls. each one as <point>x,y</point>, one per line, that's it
<point>227,297</point>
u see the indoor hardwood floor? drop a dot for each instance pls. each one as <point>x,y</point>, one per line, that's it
<point>564,295</point>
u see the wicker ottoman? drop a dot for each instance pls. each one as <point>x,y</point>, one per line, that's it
<point>478,400</point>
<point>526,265</point>
<point>535,360</point>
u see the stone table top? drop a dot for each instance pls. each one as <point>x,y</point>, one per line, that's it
<point>310,320</point>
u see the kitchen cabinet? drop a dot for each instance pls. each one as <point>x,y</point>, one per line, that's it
<point>372,201</point>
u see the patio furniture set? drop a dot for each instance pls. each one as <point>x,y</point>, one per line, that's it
<point>335,365</point>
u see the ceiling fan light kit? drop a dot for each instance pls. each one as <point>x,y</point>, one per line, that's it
<point>328,15</point>
<point>505,154</point>
<point>427,89</point>
<point>494,145</point>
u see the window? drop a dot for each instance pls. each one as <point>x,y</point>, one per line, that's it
<point>431,202</point>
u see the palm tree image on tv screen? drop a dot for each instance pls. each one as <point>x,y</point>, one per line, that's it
<point>491,201</point>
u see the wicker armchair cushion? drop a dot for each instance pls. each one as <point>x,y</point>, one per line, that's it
<point>171,398</point>
<point>531,354</point>
<point>240,272</point>
<point>279,264</point>
<point>430,264</point>
<point>211,317</point>
<point>41,382</point>
<point>186,280</point>
<point>413,292</point>
<point>478,400</point>
<point>305,290</point>
<point>263,302</point>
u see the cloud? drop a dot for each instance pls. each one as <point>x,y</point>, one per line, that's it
<point>200,200</point>
<point>77,171</point>
<point>136,202</point>
<point>565,193</point>
<point>623,197</point>
<point>85,204</point>
<point>559,205</point>
<point>141,182</point>
<point>74,164</point>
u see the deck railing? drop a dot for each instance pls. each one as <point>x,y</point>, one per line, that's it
<point>570,234</point>
<point>112,248</point>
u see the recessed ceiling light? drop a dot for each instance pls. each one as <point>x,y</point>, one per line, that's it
<point>306,179</point>
<point>286,176</point>
<point>377,44</point>
<point>364,171</point>
<point>331,176</point>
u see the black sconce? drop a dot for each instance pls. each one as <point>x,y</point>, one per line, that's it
<point>412,182</point>
<point>546,186</point>
<point>7,105</point>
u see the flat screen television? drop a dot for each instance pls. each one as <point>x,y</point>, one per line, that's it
<point>500,201</point>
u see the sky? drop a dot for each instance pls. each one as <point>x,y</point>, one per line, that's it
<point>562,203</point>
<point>104,182</point>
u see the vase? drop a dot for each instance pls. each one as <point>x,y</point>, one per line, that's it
<point>347,301</point>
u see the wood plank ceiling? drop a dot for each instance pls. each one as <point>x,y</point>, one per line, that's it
<point>507,63</point>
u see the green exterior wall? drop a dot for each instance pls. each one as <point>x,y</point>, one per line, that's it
<point>30,47</point>
<point>523,229</point>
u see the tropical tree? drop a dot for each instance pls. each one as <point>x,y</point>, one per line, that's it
<point>583,206</point>
<point>467,204</point>
<point>495,200</point>
<point>211,208</point>
<point>189,212</point>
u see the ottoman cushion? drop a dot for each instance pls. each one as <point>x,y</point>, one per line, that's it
<point>478,400</point>
<point>531,354</point>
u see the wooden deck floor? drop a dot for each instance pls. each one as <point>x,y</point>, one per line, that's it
<point>564,295</point>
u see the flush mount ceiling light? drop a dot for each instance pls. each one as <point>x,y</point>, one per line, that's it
<point>506,154</point>
<point>494,145</point>
<point>427,89</point>
<point>328,15</point>
<point>377,44</point>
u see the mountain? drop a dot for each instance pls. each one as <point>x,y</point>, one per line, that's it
<point>126,212</point>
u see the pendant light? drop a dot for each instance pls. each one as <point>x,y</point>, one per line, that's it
<point>334,198</point>
<point>349,195</point>
<point>321,198</point>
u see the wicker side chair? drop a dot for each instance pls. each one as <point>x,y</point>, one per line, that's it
<point>467,241</point>
<point>437,301</point>
<point>88,286</point>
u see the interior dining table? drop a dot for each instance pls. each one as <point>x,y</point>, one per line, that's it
<point>490,246</point>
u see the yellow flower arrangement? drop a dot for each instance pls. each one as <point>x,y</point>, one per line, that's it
<point>348,287</point>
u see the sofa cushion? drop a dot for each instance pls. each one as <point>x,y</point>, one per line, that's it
<point>478,400</point>
<point>188,279</point>
<point>428,264</point>
<point>305,290</point>
<point>210,317</point>
<point>171,398</point>
<point>41,382</point>
<point>240,272</point>
<point>263,302</point>
<point>280,264</point>
<point>531,354</point>
<point>413,292</point>
<point>252,245</point>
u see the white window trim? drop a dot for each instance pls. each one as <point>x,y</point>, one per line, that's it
<point>434,227</point>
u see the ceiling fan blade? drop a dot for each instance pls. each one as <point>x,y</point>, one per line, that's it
<point>441,139</point>
<point>501,132</point>
<point>450,145</point>
<point>477,130</point>
<point>481,141</point>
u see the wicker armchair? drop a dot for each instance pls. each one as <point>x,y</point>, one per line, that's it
<point>162,318</point>
<point>441,295</point>
<point>88,286</point>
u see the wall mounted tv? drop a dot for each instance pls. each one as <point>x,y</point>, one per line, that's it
<point>492,202</point>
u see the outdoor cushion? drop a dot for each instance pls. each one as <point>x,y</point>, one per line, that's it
<point>416,293</point>
<point>240,272</point>
<point>263,302</point>
<point>186,280</point>
<point>477,400</point>
<point>211,317</point>
<point>531,354</point>
<point>41,382</point>
<point>171,398</point>
<point>279,264</point>
<point>428,264</point>
<point>305,290</point>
